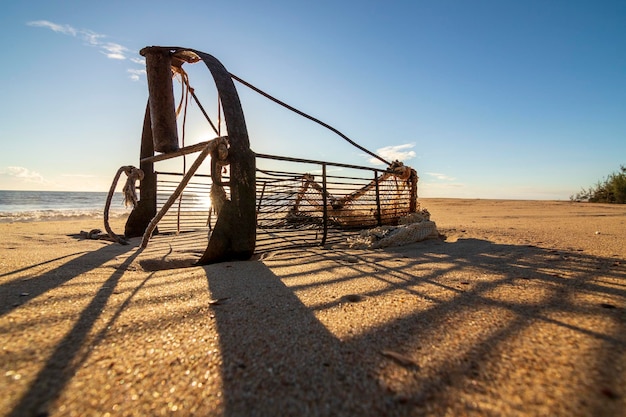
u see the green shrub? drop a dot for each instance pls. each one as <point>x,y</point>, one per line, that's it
<point>612,190</point>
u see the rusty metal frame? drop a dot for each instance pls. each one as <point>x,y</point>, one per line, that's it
<point>235,230</point>
<point>234,236</point>
<point>279,186</point>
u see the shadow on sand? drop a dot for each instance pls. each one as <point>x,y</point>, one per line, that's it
<point>279,358</point>
<point>62,364</point>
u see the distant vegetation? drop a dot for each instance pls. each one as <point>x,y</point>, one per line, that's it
<point>612,190</point>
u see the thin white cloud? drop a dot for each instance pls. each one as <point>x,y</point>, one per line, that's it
<point>395,153</point>
<point>65,29</point>
<point>139,61</point>
<point>136,74</point>
<point>23,174</point>
<point>111,50</point>
<point>114,50</point>
<point>439,176</point>
<point>328,170</point>
<point>92,38</point>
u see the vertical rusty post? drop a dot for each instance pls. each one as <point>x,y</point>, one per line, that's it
<point>258,207</point>
<point>146,208</point>
<point>413,178</point>
<point>161,99</point>
<point>324,205</point>
<point>379,220</point>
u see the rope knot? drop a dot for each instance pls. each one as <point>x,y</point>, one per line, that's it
<point>130,196</point>
<point>130,192</point>
<point>401,171</point>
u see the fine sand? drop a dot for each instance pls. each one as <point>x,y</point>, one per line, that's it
<point>519,311</point>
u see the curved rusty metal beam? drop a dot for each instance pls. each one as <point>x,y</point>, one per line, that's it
<point>234,235</point>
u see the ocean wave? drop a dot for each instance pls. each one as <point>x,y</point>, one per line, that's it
<point>51,215</point>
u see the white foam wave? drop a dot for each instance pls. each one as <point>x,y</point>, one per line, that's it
<point>51,215</point>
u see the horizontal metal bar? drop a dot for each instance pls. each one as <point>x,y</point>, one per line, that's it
<point>178,174</point>
<point>183,151</point>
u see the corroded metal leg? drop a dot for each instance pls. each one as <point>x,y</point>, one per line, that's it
<point>161,98</point>
<point>147,206</point>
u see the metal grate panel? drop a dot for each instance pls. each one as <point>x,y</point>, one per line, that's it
<point>299,202</point>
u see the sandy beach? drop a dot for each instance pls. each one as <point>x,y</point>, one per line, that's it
<point>518,309</point>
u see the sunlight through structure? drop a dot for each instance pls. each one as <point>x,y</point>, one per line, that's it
<point>249,199</point>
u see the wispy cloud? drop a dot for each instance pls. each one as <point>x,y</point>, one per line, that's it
<point>136,74</point>
<point>439,176</point>
<point>23,174</point>
<point>65,29</point>
<point>395,153</point>
<point>139,61</point>
<point>111,50</point>
<point>114,50</point>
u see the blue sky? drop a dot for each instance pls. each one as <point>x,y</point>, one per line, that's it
<point>485,99</point>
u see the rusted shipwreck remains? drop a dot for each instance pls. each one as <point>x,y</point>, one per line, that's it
<point>257,200</point>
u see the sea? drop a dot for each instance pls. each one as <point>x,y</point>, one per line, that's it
<point>24,206</point>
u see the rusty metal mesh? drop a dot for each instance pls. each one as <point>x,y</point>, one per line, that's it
<point>299,202</point>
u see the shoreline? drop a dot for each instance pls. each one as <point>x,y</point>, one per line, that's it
<point>76,213</point>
